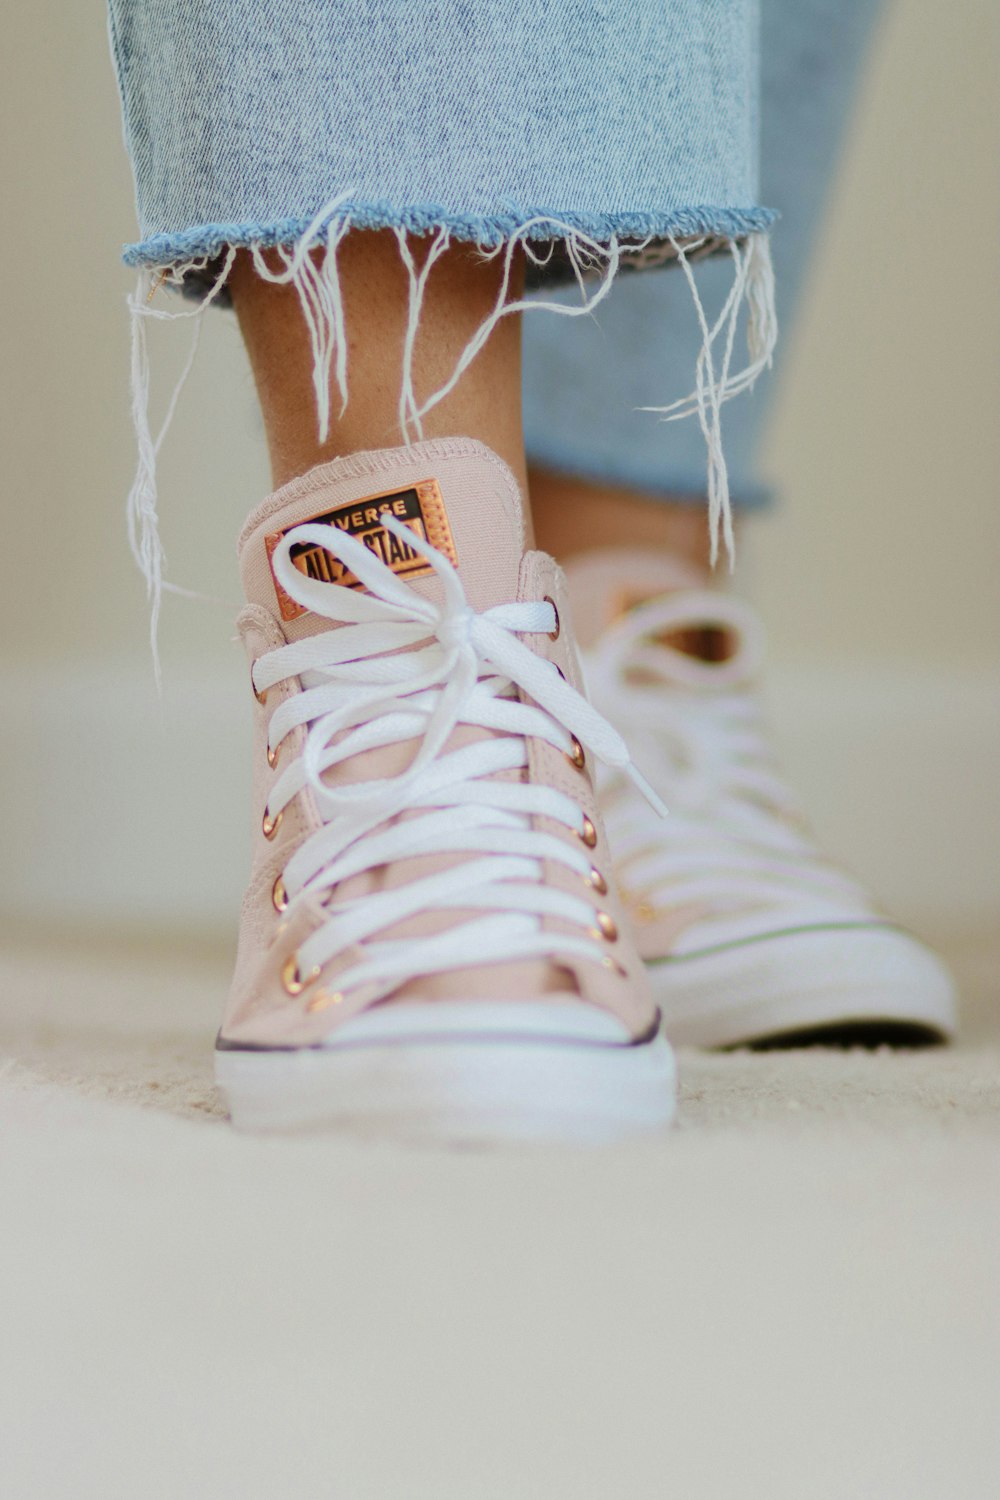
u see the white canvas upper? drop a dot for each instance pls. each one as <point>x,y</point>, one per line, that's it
<point>733,877</point>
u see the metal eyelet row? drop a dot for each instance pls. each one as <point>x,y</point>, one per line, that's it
<point>272,755</point>
<point>605,925</point>
<point>292,979</point>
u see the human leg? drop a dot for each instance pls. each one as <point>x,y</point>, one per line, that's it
<point>375,291</point>
<point>749,932</point>
<point>580,515</point>
<point>428,862</point>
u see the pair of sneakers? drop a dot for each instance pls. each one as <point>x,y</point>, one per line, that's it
<point>468,915</point>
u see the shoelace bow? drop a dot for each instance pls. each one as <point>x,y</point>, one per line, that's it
<point>736,837</point>
<point>398,668</point>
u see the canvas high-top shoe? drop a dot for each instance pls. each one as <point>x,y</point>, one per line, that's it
<point>430,941</point>
<point>748,931</point>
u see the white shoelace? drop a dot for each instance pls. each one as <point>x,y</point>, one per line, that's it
<point>363,690</point>
<point>736,842</point>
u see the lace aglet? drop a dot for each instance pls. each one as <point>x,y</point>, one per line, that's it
<point>653,797</point>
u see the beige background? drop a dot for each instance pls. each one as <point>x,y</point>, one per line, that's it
<point>877,578</point>
<point>794,1295</point>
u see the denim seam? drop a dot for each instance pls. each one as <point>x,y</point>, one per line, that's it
<point>488,230</point>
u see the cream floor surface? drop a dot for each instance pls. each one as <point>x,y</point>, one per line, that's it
<point>795,1295</point>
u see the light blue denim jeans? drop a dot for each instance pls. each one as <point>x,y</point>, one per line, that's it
<point>621,123</point>
<point>243,117</point>
<point>640,345</point>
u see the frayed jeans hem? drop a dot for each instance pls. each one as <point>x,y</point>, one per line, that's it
<point>207,242</point>
<point>199,261</point>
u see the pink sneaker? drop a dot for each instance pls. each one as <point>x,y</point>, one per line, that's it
<point>748,931</point>
<point>430,943</point>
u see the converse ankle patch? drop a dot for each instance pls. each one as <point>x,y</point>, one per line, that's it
<point>420,507</point>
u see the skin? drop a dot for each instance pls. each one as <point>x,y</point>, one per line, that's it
<point>461,292</point>
<point>574,515</point>
<point>570,515</point>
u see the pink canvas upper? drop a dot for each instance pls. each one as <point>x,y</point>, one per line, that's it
<point>485,514</point>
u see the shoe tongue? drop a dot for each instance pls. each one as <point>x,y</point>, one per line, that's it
<point>703,632</point>
<point>453,491</point>
<point>605,585</point>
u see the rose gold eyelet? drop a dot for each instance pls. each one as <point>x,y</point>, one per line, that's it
<point>261,697</point>
<point>552,634</point>
<point>279,896</point>
<point>323,998</point>
<point>588,833</point>
<point>576,756</point>
<point>597,882</point>
<point>268,825</point>
<point>607,927</point>
<point>612,963</point>
<point>293,981</point>
<point>272,756</point>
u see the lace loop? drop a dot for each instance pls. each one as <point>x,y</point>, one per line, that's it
<point>467,638</point>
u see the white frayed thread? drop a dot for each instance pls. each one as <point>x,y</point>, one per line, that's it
<point>410,412</point>
<point>715,380</point>
<point>318,286</point>
<point>586,256</point>
<point>317,282</point>
<point>143,521</point>
<point>753,288</point>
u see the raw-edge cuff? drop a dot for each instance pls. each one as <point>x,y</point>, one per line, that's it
<point>208,241</point>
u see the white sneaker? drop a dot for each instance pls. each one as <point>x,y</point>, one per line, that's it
<point>748,931</point>
<point>428,945</point>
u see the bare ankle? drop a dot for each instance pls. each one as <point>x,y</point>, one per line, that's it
<point>375,287</point>
<point>580,515</point>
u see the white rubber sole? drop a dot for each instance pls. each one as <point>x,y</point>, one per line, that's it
<point>851,978</point>
<point>460,1072</point>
